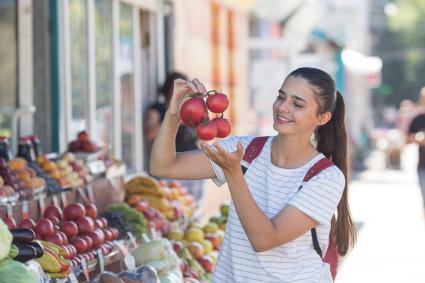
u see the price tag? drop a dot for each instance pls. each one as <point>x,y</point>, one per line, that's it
<point>25,213</point>
<point>132,239</point>
<point>122,248</point>
<point>83,195</point>
<point>42,204</point>
<point>154,233</point>
<point>145,238</point>
<point>63,198</point>
<point>85,269</point>
<point>72,278</point>
<point>9,210</point>
<point>130,262</point>
<point>55,200</point>
<point>101,260</point>
<point>90,193</point>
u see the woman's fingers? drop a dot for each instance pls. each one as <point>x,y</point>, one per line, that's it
<point>200,86</point>
<point>192,86</point>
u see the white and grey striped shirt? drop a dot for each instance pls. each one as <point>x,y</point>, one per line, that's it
<point>272,188</point>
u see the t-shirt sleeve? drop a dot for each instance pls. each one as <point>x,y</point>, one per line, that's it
<point>319,197</point>
<point>229,145</point>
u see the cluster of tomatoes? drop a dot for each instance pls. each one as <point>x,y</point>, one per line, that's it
<point>195,113</point>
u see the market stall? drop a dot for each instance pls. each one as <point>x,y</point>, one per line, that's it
<point>74,217</point>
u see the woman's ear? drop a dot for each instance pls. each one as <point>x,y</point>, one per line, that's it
<point>323,118</point>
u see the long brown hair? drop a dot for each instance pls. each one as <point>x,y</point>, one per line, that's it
<point>332,141</point>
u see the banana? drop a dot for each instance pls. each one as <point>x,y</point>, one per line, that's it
<point>162,204</point>
<point>57,249</point>
<point>51,262</point>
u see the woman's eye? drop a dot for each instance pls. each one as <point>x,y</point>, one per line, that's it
<point>298,105</point>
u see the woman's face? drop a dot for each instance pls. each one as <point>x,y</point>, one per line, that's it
<point>295,109</point>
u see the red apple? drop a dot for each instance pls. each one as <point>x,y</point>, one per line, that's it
<point>109,236</point>
<point>196,249</point>
<point>215,241</point>
<point>74,211</point>
<point>80,244</point>
<point>54,238</point>
<point>83,136</point>
<point>207,263</point>
<point>53,210</point>
<point>69,228</point>
<point>44,227</point>
<point>27,223</point>
<point>91,210</point>
<point>89,242</point>
<point>64,237</point>
<point>85,224</point>
<point>105,222</point>
<point>178,246</point>
<point>54,220</point>
<point>98,223</point>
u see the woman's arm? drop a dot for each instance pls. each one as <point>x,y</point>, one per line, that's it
<point>165,162</point>
<point>263,233</point>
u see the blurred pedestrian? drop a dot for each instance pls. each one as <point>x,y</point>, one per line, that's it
<point>271,219</point>
<point>416,134</point>
<point>186,139</point>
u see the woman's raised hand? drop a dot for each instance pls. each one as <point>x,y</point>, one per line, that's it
<point>182,88</point>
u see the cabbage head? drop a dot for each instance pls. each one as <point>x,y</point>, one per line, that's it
<point>5,240</point>
<point>14,272</point>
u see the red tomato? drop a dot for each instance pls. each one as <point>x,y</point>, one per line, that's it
<point>193,111</point>
<point>223,127</point>
<point>217,103</point>
<point>207,131</point>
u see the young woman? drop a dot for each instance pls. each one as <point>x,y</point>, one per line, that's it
<point>268,235</point>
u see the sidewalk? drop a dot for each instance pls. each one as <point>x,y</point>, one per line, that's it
<point>386,205</point>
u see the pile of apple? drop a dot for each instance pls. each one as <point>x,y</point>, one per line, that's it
<point>82,144</point>
<point>198,248</point>
<point>77,229</point>
<point>194,113</point>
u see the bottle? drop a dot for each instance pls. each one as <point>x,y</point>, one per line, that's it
<point>5,152</point>
<point>36,145</point>
<point>25,149</point>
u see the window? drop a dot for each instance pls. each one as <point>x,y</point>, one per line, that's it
<point>8,62</point>
<point>79,66</point>
<point>104,74</point>
<point>126,73</point>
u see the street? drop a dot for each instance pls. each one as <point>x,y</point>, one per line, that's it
<point>386,206</point>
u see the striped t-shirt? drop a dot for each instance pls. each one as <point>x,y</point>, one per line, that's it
<point>272,188</point>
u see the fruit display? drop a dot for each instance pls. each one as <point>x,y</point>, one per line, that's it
<point>68,171</point>
<point>133,219</point>
<point>83,144</point>
<point>160,255</point>
<point>194,113</point>
<point>16,176</point>
<point>171,199</point>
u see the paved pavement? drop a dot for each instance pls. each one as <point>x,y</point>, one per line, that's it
<point>386,206</point>
<point>391,240</point>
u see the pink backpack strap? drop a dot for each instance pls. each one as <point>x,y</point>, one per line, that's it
<point>252,151</point>
<point>319,166</point>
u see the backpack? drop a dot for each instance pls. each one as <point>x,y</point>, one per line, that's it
<point>331,257</point>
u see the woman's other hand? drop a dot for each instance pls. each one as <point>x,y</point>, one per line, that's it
<point>182,88</point>
<point>230,162</point>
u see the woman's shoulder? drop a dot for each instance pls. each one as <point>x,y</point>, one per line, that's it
<point>332,173</point>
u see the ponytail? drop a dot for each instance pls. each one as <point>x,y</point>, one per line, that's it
<point>332,141</point>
